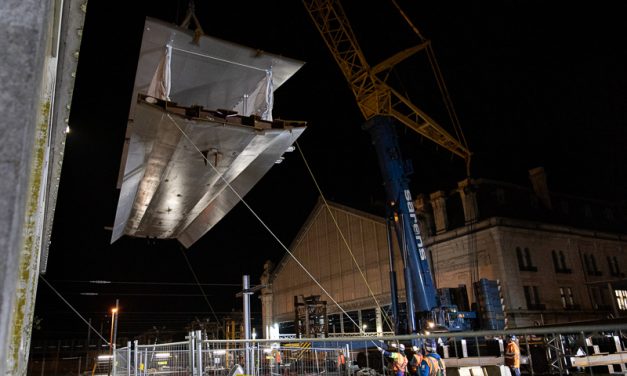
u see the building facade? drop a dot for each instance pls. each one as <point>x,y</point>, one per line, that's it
<point>558,258</point>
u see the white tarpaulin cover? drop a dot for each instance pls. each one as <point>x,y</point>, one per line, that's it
<point>179,157</point>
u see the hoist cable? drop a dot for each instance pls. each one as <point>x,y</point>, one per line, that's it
<point>326,204</point>
<point>264,225</point>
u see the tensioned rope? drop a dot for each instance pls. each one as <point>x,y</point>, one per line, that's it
<point>73,309</point>
<point>348,247</point>
<point>228,184</point>
<point>189,265</point>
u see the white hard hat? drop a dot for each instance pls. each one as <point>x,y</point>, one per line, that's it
<point>393,345</point>
<point>415,348</point>
<point>401,347</point>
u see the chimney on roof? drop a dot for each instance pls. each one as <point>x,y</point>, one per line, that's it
<point>438,202</point>
<point>424,214</point>
<point>469,201</point>
<point>540,187</point>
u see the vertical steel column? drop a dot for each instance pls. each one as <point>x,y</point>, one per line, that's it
<point>199,355</point>
<point>393,285</point>
<point>191,353</point>
<point>128,358</point>
<point>246,300</point>
<point>135,350</point>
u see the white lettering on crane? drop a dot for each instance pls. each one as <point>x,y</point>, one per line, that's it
<point>414,225</point>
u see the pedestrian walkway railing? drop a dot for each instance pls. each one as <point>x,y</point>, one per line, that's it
<point>544,350</point>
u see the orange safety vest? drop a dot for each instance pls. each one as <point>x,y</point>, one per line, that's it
<point>512,355</point>
<point>400,363</point>
<point>433,364</point>
<point>341,359</point>
<point>277,357</point>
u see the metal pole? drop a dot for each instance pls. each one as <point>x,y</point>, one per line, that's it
<point>135,351</point>
<point>199,347</point>
<point>393,285</point>
<point>87,345</point>
<point>115,317</point>
<point>128,358</point>
<point>246,300</point>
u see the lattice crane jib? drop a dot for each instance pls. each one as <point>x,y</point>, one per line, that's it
<point>373,95</point>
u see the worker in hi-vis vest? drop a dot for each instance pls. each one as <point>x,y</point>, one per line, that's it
<point>512,356</point>
<point>432,364</point>
<point>399,361</point>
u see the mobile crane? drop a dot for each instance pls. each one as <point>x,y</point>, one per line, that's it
<point>382,106</point>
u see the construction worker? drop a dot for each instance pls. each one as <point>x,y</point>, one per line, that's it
<point>432,364</point>
<point>512,356</point>
<point>413,367</point>
<point>341,363</point>
<point>277,361</point>
<point>399,361</point>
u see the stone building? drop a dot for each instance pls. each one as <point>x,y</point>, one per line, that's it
<point>559,258</point>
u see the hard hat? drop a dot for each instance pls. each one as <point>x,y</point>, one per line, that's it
<point>393,345</point>
<point>511,337</point>
<point>430,346</point>
<point>401,347</point>
<point>415,348</point>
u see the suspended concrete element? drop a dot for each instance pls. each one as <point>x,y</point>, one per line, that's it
<point>200,133</point>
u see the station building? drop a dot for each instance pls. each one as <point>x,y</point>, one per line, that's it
<point>558,258</point>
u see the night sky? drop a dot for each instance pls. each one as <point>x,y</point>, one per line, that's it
<point>532,87</point>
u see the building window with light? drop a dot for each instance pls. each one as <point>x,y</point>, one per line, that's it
<point>621,299</point>
<point>590,264</point>
<point>614,268</point>
<point>559,262</point>
<point>568,300</point>
<point>532,297</point>
<point>524,260</point>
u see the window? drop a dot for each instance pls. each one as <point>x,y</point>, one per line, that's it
<point>621,299</point>
<point>568,301</point>
<point>532,297</point>
<point>349,322</point>
<point>533,199</point>
<point>591,265</point>
<point>334,324</point>
<point>614,268</point>
<point>587,211</point>
<point>369,320</point>
<point>524,260</point>
<point>609,215</point>
<point>559,262</point>
<point>564,205</point>
<point>500,196</point>
<point>599,300</point>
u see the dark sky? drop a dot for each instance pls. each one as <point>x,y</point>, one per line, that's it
<point>532,86</point>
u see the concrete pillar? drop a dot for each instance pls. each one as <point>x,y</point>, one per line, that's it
<point>438,202</point>
<point>24,25</point>
<point>469,201</point>
<point>39,56</point>
<point>540,187</point>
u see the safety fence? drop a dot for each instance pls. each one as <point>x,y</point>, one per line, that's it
<point>594,350</point>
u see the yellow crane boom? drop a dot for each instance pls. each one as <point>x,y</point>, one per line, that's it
<point>374,96</point>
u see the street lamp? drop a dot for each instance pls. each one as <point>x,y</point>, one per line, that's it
<point>114,325</point>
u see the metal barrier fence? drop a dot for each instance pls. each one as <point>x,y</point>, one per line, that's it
<point>547,350</point>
